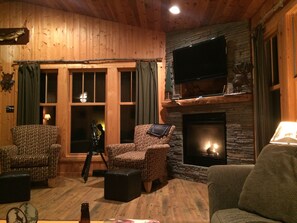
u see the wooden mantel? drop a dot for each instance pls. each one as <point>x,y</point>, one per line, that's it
<point>231,98</point>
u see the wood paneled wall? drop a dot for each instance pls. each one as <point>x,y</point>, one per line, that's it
<point>59,35</point>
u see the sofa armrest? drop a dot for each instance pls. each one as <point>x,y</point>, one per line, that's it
<point>5,153</point>
<point>225,183</point>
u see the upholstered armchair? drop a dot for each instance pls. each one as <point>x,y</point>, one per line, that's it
<point>147,153</point>
<point>34,150</point>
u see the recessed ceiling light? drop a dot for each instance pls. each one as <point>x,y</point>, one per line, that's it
<point>174,9</point>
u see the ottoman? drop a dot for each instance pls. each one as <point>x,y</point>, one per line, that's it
<point>122,184</point>
<point>14,187</point>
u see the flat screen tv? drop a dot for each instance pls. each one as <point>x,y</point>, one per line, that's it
<point>203,60</point>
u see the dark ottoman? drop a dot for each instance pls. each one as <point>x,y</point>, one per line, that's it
<point>14,187</point>
<point>122,184</point>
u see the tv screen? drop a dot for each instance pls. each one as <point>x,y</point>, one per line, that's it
<point>203,60</point>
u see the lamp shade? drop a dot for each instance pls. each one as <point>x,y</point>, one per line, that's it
<point>285,133</point>
<point>47,117</point>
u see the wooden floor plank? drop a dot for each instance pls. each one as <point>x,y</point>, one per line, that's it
<point>177,201</point>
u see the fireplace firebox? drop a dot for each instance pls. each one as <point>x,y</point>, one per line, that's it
<point>204,139</point>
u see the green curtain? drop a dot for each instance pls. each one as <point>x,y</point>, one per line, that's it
<point>146,93</point>
<point>28,94</point>
<point>262,103</point>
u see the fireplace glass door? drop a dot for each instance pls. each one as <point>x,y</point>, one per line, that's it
<point>204,139</point>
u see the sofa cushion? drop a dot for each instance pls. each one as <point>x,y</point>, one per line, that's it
<point>270,188</point>
<point>235,215</point>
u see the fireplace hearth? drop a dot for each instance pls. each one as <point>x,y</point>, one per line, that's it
<point>204,137</point>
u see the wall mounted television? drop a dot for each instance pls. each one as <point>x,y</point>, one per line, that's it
<point>204,60</point>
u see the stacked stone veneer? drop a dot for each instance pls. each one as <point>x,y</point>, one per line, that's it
<point>238,38</point>
<point>239,116</point>
<point>239,137</point>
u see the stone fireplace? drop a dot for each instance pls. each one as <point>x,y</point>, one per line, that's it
<point>239,135</point>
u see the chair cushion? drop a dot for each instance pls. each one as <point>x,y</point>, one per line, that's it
<point>235,215</point>
<point>130,159</point>
<point>270,188</point>
<point>29,160</point>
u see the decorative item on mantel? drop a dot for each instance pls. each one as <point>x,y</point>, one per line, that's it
<point>242,77</point>
<point>7,82</point>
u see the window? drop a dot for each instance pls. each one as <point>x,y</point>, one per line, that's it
<point>272,60</point>
<point>271,55</point>
<point>127,104</point>
<point>87,105</point>
<point>48,96</point>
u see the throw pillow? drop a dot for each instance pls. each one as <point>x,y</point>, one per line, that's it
<point>159,130</point>
<point>270,189</point>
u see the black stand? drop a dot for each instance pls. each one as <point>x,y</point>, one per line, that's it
<point>92,151</point>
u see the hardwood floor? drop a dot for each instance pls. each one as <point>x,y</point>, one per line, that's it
<point>178,201</point>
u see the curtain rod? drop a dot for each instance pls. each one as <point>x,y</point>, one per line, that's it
<point>89,61</point>
<point>277,6</point>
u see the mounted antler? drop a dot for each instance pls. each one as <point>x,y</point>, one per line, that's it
<point>241,72</point>
<point>7,82</point>
<point>243,68</point>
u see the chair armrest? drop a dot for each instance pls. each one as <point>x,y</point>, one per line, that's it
<point>157,149</point>
<point>5,153</point>
<point>225,183</point>
<point>155,157</point>
<point>55,149</point>
<point>116,149</point>
<point>54,153</point>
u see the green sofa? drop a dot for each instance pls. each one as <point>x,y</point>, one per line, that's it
<point>225,184</point>
<point>264,192</point>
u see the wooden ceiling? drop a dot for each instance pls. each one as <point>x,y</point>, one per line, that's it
<point>154,14</point>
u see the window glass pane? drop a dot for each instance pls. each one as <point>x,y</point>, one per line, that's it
<point>127,123</point>
<point>133,86</point>
<point>47,115</point>
<point>76,86</point>
<point>42,87</point>
<point>100,87</point>
<point>81,119</point>
<point>276,111</point>
<point>268,59</point>
<point>89,85</point>
<point>125,86</point>
<point>52,87</point>
<point>275,61</point>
